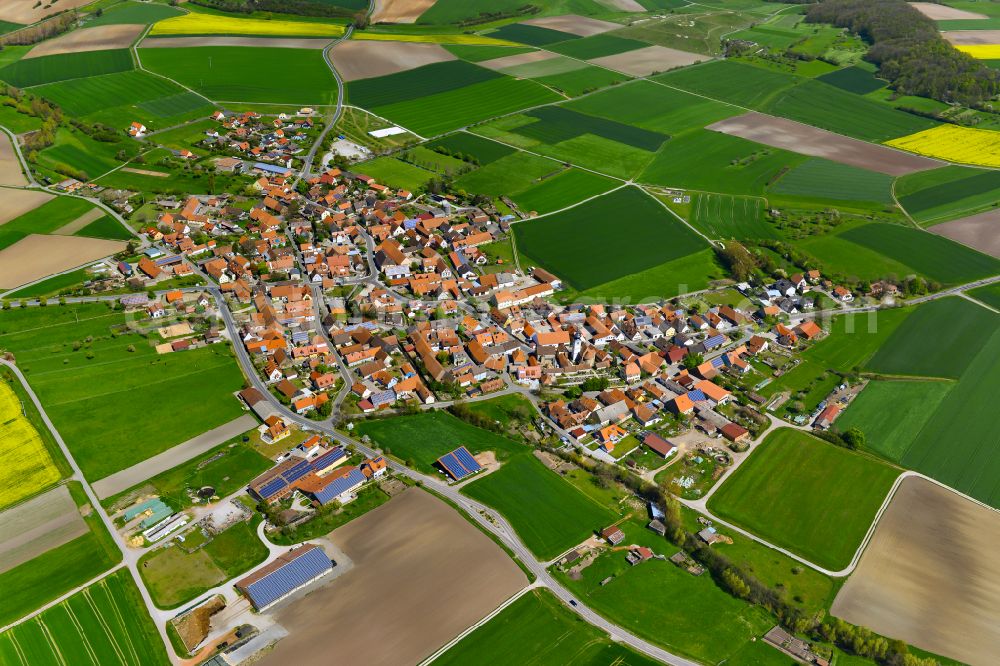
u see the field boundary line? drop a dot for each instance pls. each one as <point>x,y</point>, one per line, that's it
<point>468,630</point>
<point>55,602</point>
<point>138,61</point>
<point>52,642</point>
<point>83,634</point>
<point>967,297</point>
<point>571,206</point>
<point>121,620</point>
<point>710,241</point>
<point>104,623</point>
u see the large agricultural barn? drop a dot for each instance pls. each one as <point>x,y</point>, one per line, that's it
<point>290,572</point>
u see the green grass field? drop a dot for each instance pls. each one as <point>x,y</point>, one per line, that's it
<point>715,162</point>
<point>580,247</point>
<point>476,53</point>
<point>396,173</point>
<point>857,80</point>
<point>729,81</point>
<point>247,74</point>
<point>538,629</point>
<point>175,576</point>
<point>692,272</point>
<point>133,13</point>
<point>420,439</point>
<point>483,150</point>
<point>102,625</point>
<point>105,227</point>
<point>586,79</point>
<point>817,178</point>
<point>416,83</point>
<point>989,294</point>
<point>564,189</point>
<point>892,413</point>
<point>446,111</point>
<point>38,581</point>
<point>515,172</point>
<point>726,216</point>
<point>807,495</point>
<point>45,219</point>
<point>531,35</point>
<point>49,69</point>
<point>548,513</point>
<point>597,46</point>
<point>940,339</point>
<point>83,156</point>
<point>82,366</point>
<point>944,194</point>
<point>688,615</point>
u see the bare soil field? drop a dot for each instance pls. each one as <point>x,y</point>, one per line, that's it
<point>361,59</point>
<point>419,567</point>
<point>929,575</point>
<point>10,166</point>
<point>652,59</point>
<point>399,11</point>
<point>80,222</point>
<point>89,39</point>
<point>623,5</point>
<point>938,12</point>
<point>29,11</point>
<point>573,24</point>
<point>518,60</point>
<point>259,42</point>
<point>38,525</point>
<point>980,232</point>
<point>18,202</point>
<point>972,37</point>
<point>146,172</point>
<point>37,256</point>
<point>799,138</point>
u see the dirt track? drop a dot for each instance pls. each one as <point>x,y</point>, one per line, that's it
<point>37,526</point>
<point>573,24</point>
<point>10,166</point>
<point>643,62</point>
<point>360,59</point>
<point>258,42</point>
<point>981,231</point>
<point>89,39</point>
<point>938,12</point>
<point>799,138</point>
<point>421,575</point>
<point>18,202</point>
<point>929,575</point>
<point>400,11</point>
<point>29,11</point>
<point>36,256</point>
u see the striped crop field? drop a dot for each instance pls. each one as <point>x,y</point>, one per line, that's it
<point>965,145</point>
<point>104,624</point>
<point>468,40</point>
<point>209,24</point>
<point>25,465</point>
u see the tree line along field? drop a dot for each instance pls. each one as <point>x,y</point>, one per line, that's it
<point>104,624</point>
<point>247,74</point>
<point>570,240</point>
<point>81,363</point>
<point>61,67</point>
<point>47,576</point>
<point>807,495</point>
<point>539,628</point>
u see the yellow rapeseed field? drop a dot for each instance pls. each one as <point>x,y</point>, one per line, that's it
<point>25,465</point>
<point>472,40</point>
<point>965,145</point>
<point>209,24</point>
<point>981,51</point>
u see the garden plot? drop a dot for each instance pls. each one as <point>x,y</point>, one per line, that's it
<point>220,40</point>
<point>38,256</point>
<point>10,166</point>
<point>399,11</point>
<point>29,11</point>
<point>649,60</point>
<point>800,138</point>
<point>18,202</point>
<point>101,38</point>
<point>573,24</point>
<point>980,232</point>
<point>937,12</point>
<point>37,526</point>
<point>932,550</point>
<point>364,60</point>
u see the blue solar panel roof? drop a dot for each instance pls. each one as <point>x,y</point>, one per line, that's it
<point>294,574</point>
<point>718,361</point>
<point>297,472</point>
<point>715,341</point>
<point>353,479</point>
<point>459,463</point>
<point>697,395</point>
<point>466,459</point>
<point>272,487</point>
<point>328,458</point>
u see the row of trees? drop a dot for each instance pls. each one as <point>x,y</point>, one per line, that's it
<point>910,52</point>
<point>300,7</point>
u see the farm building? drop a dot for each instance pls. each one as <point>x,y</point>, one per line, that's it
<point>290,572</point>
<point>459,463</point>
<point>659,445</point>
<point>613,535</point>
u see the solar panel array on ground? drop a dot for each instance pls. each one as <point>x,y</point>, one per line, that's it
<point>286,574</point>
<point>459,463</point>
